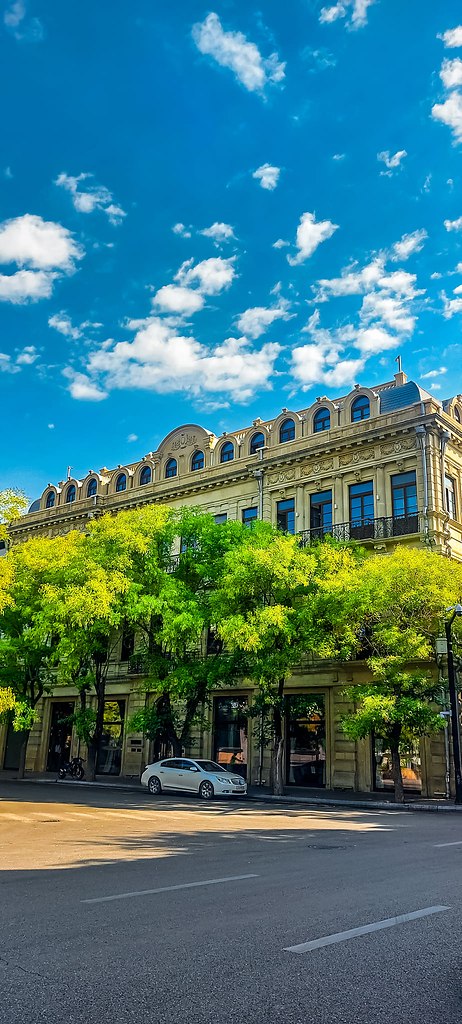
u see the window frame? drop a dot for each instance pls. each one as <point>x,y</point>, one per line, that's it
<point>355,405</point>
<point>321,528</point>
<point>401,481</point>
<point>450,499</point>
<point>322,412</point>
<point>92,493</point>
<point>284,424</point>
<point>71,490</point>
<point>252,449</point>
<point>201,455</point>
<point>52,503</point>
<point>119,489</point>
<point>229,457</point>
<point>143,470</point>
<point>248,521</point>
<point>288,513</point>
<point>168,466</point>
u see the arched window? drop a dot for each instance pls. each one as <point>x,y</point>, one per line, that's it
<point>70,496</point>
<point>361,409</point>
<point>227,452</point>
<point>171,468</point>
<point>457,413</point>
<point>197,461</point>
<point>287,431</point>
<point>92,487</point>
<point>145,475</point>
<point>50,499</point>
<point>257,442</point>
<point>321,421</point>
<point>121,482</point>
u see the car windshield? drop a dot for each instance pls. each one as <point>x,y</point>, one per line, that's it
<point>210,766</point>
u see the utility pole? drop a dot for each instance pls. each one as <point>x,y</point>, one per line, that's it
<point>455,709</point>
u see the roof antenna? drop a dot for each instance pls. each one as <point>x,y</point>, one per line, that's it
<point>69,472</point>
<point>398,360</point>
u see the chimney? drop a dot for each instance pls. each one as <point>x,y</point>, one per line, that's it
<point>400,379</point>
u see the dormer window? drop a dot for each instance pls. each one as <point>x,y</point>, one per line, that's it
<point>360,409</point>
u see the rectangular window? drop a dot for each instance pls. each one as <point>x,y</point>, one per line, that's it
<point>110,752</point>
<point>221,518</point>
<point>321,514</point>
<point>249,515</point>
<point>450,496</point>
<point>285,511</point>
<point>404,503</point>
<point>362,510</point>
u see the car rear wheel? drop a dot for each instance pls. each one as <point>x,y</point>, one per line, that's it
<point>154,785</point>
<point>206,790</point>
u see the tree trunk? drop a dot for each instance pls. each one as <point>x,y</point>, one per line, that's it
<point>278,743</point>
<point>396,764</point>
<point>91,760</point>
<point>22,753</point>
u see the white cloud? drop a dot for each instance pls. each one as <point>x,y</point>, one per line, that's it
<point>6,364</point>
<point>91,197</point>
<point>280,243</point>
<point>160,360</point>
<point>372,340</point>
<point>453,37</point>
<point>82,387</point>
<point>391,160</point>
<point>62,322</point>
<point>354,10</point>
<point>132,437</point>
<point>182,230</point>
<point>26,286</point>
<point>218,232</point>
<point>453,225</point>
<point>50,426</point>
<point>30,241</point>
<point>173,298</point>
<point>310,234</point>
<point>268,176</point>
<point>28,356</point>
<point>211,276</point>
<point>352,281</point>
<point>408,245</point>
<point>450,114</point>
<point>254,322</point>
<point>234,51</point>
<point>338,157</point>
<point>22,27</point>
<point>451,73</point>
<point>434,373</point>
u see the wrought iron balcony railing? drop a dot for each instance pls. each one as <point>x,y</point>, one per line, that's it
<point>383,528</point>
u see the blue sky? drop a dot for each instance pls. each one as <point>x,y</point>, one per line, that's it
<point>208,213</point>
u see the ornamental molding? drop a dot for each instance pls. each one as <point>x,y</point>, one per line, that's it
<point>287,476</point>
<point>183,440</point>
<point>402,444</point>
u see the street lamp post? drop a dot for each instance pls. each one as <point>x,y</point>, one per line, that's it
<point>456,746</point>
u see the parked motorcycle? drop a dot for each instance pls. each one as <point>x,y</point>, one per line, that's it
<point>74,768</point>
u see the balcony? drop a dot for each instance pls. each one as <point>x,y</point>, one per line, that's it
<point>383,528</point>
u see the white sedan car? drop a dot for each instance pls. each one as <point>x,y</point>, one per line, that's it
<point>182,774</point>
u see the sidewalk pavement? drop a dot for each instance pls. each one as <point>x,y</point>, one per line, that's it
<point>303,797</point>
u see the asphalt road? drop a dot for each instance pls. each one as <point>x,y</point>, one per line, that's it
<point>207,903</point>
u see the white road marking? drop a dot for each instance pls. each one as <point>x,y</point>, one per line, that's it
<point>167,888</point>
<point>390,922</point>
<point>440,845</point>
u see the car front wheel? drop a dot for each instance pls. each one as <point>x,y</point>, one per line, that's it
<point>206,790</point>
<point>154,785</point>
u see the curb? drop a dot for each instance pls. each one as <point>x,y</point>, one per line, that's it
<point>358,805</point>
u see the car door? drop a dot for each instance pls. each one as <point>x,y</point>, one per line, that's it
<point>170,772</point>
<point>191,776</point>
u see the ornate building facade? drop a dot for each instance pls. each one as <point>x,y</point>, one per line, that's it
<point>380,465</point>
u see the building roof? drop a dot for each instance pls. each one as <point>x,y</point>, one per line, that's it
<point>399,397</point>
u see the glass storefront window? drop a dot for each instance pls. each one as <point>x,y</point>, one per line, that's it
<point>110,752</point>
<point>306,740</point>
<point>411,766</point>
<point>230,733</point>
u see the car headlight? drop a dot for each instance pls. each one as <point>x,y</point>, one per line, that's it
<point>224,781</point>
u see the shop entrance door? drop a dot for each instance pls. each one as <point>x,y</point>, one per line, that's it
<point>306,740</point>
<point>109,759</point>
<point>59,746</point>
